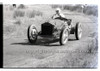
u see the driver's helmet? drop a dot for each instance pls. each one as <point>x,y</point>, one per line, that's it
<point>58,10</point>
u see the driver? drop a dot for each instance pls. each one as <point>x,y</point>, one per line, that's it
<point>58,14</point>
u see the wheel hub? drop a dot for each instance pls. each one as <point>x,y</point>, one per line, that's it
<point>65,36</point>
<point>80,31</point>
<point>33,33</point>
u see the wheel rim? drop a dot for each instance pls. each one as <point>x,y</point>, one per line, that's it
<point>79,31</point>
<point>33,33</point>
<point>65,36</point>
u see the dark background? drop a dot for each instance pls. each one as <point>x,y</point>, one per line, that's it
<point>1,35</point>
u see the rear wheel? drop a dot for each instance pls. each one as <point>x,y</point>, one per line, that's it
<point>32,34</point>
<point>78,31</point>
<point>64,36</point>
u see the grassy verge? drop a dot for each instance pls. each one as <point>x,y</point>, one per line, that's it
<point>17,20</point>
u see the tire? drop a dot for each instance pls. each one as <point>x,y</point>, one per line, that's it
<point>78,31</point>
<point>64,36</point>
<point>32,34</point>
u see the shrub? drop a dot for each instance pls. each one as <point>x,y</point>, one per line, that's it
<point>91,10</point>
<point>9,29</point>
<point>93,46</point>
<point>27,13</point>
<point>18,22</point>
<point>77,8</point>
<point>34,13</point>
<point>73,7</point>
<point>14,5</point>
<point>18,13</point>
<point>11,7</point>
<point>57,6</point>
<point>21,6</point>
<point>66,7</point>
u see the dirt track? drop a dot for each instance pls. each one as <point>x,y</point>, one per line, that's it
<point>19,53</point>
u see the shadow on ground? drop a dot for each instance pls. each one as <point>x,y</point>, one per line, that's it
<point>42,42</point>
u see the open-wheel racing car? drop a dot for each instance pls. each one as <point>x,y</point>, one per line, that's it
<point>59,28</point>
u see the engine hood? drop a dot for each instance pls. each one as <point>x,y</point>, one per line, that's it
<point>56,22</point>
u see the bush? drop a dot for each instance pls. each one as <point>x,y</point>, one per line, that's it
<point>18,22</point>
<point>34,13</point>
<point>91,10</point>
<point>9,29</point>
<point>93,46</point>
<point>78,8</point>
<point>21,6</point>
<point>66,7</point>
<point>18,13</point>
<point>11,8</point>
<point>73,7</point>
<point>57,6</point>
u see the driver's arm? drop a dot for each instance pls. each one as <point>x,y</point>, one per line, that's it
<point>54,16</point>
<point>61,15</point>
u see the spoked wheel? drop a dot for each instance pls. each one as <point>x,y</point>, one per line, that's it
<point>32,34</point>
<point>64,36</point>
<point>78,31</point>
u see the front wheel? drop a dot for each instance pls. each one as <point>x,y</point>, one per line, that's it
<point>78,31</point>
<point>64,36</point>
<point>32,34</point>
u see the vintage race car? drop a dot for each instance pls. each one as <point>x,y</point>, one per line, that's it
<point>59,28</point>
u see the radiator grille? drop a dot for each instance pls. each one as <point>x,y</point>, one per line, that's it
<point>47,29</point>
